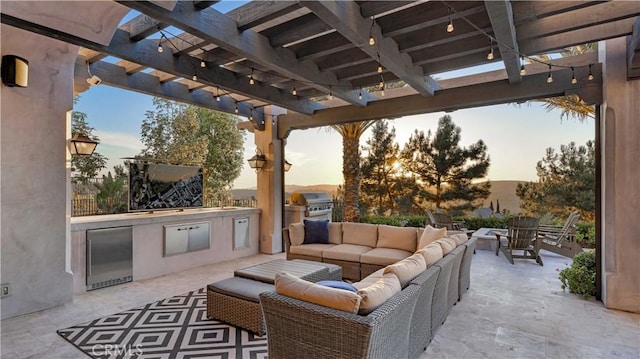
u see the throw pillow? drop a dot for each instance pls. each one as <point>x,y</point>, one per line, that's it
<point>316,232</point>
<point>430,235</point>
<point>300,289</point>
<point>447,245</point>
<point>338,284</point>
<point>407,269</point>
<point>376,294</point>
<point>459,238</point>
<point>296,233</point>
<point>431,253</point>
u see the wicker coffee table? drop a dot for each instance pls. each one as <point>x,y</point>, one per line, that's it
<point>236,300</point>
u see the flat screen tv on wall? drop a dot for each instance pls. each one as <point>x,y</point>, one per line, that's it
<point>156,186</point>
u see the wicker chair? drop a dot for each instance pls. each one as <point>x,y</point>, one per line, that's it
<point>561,239</point>
<point>522,235</point>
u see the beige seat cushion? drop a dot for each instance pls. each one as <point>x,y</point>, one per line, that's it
<point>370,279</point>
<point>430,235</point>
<point>458,237</point>
<point>363,234</point>
<point>339,299</point>
<point>313,249</point>
<point>408,268</point>
<point>447,244</point>
<point>335,232</point>
<point>384,256</point>
<point>376,294</point>
<point>296,233</point>
<point>404,238</point>
<point>345,252</point>
<point>431,253</point>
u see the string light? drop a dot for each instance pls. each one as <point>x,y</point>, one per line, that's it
<point>236,109</point>
<point>549,77</point>
<point>490,54</point>
<point>360,94</point>
<point>294,92</point>
<point>381,85</point>
<point>202,64</point>
<point>573,76</point>
<point>590,76</point>
<point>160,49</point>
<point>372,41</point>
<point>450,25</point>
<point>218,94</point>
<point>380,69</point>
<point>251,81</point>
<point>330,94</point>
<point>522,70</point>
<point>194,77</point>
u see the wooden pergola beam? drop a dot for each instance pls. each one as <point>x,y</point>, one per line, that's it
<point>480,94</point>
<point>144,52</point>
<point>116,76</point>
<point>501,17</point>
<point>633,52</point>
<point>221,30</point>
<point>344,16</point>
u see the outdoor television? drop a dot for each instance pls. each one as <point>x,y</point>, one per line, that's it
<point>156,186</point>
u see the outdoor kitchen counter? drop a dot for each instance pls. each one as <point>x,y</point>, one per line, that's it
<point>150,258</point>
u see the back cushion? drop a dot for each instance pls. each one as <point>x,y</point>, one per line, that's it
<point>364,234</point>
<point>431,253</point>
<point>376,294</point>
<point>297,288</point>
<point>296,233</point>
<point>335,232</point>
<point>430,235</point>
<point>459,238</point>
<point>404,238</point>
<point>408,268</point>
<point>447,245</point>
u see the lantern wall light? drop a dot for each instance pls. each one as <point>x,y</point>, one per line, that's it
<point>258,160</point>
<point>82,145</point>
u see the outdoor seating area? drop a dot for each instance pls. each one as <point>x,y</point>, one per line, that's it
<point>561,325</point>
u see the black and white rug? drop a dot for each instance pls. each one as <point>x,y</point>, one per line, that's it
<point>175,327</point>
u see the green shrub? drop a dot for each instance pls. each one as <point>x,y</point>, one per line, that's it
<point>398,221</point>
<point>586,234</point>
<point>580,278</point>
<point>478,222</point>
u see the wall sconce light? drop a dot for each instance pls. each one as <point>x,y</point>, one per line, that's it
<point>258,161</point>
<point>82,145</point>
<point>15,71</point>
<point>287,165</point>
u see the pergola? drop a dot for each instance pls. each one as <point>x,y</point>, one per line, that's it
<point>287,65</point>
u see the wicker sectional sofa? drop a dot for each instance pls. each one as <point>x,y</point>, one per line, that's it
<point>401,327</point>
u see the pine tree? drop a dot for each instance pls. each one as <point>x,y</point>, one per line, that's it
<point>443,170</point>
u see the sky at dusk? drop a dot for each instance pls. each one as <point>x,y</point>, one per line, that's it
<point>516,136</point>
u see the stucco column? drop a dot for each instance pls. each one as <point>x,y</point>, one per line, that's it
<point>621,180</point>
<point>270,183</point>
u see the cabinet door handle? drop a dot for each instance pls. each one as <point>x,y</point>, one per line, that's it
<point>196,227</point>
<point>89,256</point>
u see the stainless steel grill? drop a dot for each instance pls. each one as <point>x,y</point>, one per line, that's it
<point>317,205</point>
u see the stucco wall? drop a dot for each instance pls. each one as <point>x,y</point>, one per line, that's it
<point>33,174</point>
<point>621,182</point>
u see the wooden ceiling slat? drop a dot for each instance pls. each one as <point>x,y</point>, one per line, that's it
<point>221,30</point>
<point>346,19</point>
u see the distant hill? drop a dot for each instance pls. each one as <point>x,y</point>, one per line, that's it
<point>504,191</point>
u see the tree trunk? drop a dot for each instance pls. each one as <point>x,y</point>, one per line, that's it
<point>351,173</point>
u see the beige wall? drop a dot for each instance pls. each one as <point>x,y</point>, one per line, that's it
<point>34,176</point>
<point>621,180</point>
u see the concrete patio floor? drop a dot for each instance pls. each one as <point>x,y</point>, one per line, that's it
<point>511,311</point>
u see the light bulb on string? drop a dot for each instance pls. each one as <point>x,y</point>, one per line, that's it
<point>203,64</point>
<point>372,41</point>
<point>194,77</point>
<point>549,77</point>
<point>590,76</point>
<point>380,69</point>
<point>360,94</point>
<point>218,94</point>
<point>236,109</point>
<point>522,70</point>
<point>251,81</point>
<point>450,26</point>
<point>573,76</point>
<point>490,54</point>
<point>294,92</point>
<point>330,93</point>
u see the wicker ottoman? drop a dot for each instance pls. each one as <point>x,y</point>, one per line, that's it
<point>235,301</point>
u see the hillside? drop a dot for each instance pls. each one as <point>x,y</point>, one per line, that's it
<point>504,191</point>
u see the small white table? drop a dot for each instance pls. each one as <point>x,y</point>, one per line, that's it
<point>487,240</point>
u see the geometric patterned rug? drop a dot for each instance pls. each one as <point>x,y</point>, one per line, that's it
<point>175,327</point>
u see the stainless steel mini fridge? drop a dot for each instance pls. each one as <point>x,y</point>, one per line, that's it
<point>109,256</point>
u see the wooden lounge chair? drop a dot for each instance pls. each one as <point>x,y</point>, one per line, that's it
<point>561,239</point>
<point>521,236</point>
<point>441,220</point>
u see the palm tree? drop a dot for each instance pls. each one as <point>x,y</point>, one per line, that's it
<point>571,106</point>
<point>351,133</point>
